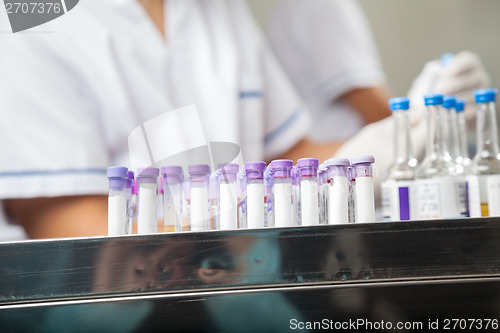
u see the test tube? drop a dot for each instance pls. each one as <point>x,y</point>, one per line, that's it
<point>282,193</point>
<point>338,190</point>
<point>365,200</point>
<point>228,191</point>
<point>130,202</point>
<point>309,201</point>
<point>295,196</point>
<point>241,182</point>
<point>268,197</point>
<point>133,206</point>
<point>147,181</point>
<point>199,175</point>
<point>117,201</point>
<point>159,206</point>
<point>255,194</point>
<point>172,198</point>
<point>351,175</point>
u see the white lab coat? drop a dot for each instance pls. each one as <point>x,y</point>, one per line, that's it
<point>73,89</point>
<point>327,49</point>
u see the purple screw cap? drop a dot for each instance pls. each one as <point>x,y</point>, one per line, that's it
<point>308,167</point>
<point>117,172</point>
<point>368,159</point>
<point>228,172</point>
<point>148,175</point>
<point>199,169</point>
<point>172,174</point>
<point>337,162</point>
<point>281,168</point>
<point>255,170</point>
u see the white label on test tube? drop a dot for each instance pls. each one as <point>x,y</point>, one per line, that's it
<point>493,186</point>
<point>117,215</point>
<point>309,202</point>
<point>338,201</point>
<point>228,206</point>
<point>283,204</point>
<point>200,217</point>
<point>255,205</point>
<point>146,211</point>
<point>365,201</point>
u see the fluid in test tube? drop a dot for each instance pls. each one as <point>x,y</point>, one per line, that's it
<point>199,176</point>
<point>484,196</point>
<point>228,190</point>
<point>398,182</point>
<point>364,193</point>
<point>338,190</point>
<point>282,192</point>
<point>255,194</point>
<point>309,195</point>
<point>147,181</point>
<point>173,178</point>
<point>117,201</point>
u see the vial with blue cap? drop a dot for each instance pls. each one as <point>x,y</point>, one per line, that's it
<point>439,192</point>
<point>486,162</point>
<point>463,149</point>
<point>398,182</point>
<point>451,132</point>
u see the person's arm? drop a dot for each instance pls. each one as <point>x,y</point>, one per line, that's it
<point>307,148</point>
<point>371,103</point>
<point>57,217</point>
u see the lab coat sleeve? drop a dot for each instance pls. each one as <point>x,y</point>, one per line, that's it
<point>51,138</point>
<point>287,119</point>
<point>326,46</point>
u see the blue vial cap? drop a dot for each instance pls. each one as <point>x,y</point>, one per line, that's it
<point>460,105</point>
<point>433,99</point>
<point>399,103</point>
<point>485,95</point>
<point>446,59</point>
<point>449,102</point>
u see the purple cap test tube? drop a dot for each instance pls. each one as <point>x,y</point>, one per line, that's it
<point>199,175</point>
<point>309,201</point>
<point>255,194</point>
<point>147,181</point>
<point>364,192</point>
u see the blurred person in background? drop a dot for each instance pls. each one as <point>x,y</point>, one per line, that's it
<point>328,51</point>
<point>73,91</point>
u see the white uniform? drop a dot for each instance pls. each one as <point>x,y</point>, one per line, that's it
<point>327,49</point>
<point>73,89</point>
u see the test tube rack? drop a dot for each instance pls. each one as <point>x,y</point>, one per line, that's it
<point>253,280</point>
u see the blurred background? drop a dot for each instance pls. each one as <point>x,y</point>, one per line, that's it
<point>410,33</point>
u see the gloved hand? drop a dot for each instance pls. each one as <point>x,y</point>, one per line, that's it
<point>460,76</point>
<point>377,139</point>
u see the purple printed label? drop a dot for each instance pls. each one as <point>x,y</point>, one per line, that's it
<point>404,203</point>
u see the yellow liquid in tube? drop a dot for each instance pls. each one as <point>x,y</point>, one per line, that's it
<point>484,210</point>
<point>169,228</point>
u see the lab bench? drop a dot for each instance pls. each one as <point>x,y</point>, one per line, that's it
<point>262,280</point>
